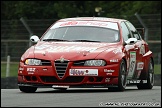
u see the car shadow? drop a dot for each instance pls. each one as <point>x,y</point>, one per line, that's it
<point>84,90</point>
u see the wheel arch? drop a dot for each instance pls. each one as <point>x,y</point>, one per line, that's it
<point>152,61</point>
<point>144,72</point>
<point>125,61</point>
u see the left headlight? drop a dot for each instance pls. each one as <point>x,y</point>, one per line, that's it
<point>33,62</point>
<point>95,63</point>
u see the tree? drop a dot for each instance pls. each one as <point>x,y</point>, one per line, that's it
<point>61,9</point>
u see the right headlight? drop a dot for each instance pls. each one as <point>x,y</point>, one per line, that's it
<point>95,63</point>
<point>33,62</point>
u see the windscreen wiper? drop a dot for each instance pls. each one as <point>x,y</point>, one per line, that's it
<point>85,41</point>
<point>54,40</point>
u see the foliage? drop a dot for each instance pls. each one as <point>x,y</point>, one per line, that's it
<point>61,9</point>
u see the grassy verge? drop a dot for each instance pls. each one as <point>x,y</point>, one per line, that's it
<point>14,69</point>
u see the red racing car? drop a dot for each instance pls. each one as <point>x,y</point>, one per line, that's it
<point>87,52</point>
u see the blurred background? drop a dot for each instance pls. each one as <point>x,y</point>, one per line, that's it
<point>21,19</point>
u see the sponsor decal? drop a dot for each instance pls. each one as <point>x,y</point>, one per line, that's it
<point>44,69</point>
<point>90,23</point>
<point>52,48</point>
<point>31,69</point>
<point>114,60</point>
<point>60,86</point>
<point>108,70</point>
<point>70,48</point>
<point>21,69</point>
<point>133,55</point>
<point>117,51</point>
<point>142,50</point>
<point>83,72</point>
<point>108,73</point>
<point>131,68</point>
<point>132,63</point>
<point>133,81</point>
<point>30,73</point>
<point>107,79</point>
<point>144,81</point>
<point>136,81</point>
<point>140,65</point>
<point>86,23</point>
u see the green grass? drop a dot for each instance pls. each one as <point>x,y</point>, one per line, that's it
<point>14,69</point>
<point>157,69</point>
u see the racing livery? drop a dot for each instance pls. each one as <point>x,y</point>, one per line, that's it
<point>87,52</point>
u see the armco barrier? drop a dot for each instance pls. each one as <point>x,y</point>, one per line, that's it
<point>11,82</point>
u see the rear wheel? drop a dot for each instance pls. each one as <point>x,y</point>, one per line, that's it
<point>27,89</point>
<point>150,78</point>
<point>121,78</point>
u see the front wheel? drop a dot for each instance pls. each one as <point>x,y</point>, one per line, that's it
<point>121,78</point>
<point>27,89</point>
<point>150,77</point>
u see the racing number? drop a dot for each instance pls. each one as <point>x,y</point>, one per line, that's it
<point>132,63</point>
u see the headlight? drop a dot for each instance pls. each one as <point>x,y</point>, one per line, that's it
<point>95,63</point>
<point>33,62</point>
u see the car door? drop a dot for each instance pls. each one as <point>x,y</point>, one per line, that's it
<point>139,49</point>
<point>130,50</point>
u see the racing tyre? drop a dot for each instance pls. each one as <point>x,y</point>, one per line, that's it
<point>121,78</point>
<point>27,89</point>
<point>150,78</point>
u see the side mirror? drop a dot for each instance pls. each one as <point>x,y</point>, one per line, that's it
<point>131,41</point>
<point>141,31</point>
<point>34,39</point>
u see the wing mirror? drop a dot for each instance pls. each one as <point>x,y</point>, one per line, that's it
<point>131,41</point>
<point>34,39</point>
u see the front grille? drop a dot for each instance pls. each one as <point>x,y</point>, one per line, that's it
<point>61,68</point>
<point>70,79</point>
<point>99,79</point>
<point>27,78</point>
<point>46,62</point>
<point>48,79</point>
<point>78,63</point>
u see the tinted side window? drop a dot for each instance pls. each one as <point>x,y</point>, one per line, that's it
<point>133,30</point>
<point>125,32</point>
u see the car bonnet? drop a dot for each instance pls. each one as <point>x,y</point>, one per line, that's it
<point>70,50</point>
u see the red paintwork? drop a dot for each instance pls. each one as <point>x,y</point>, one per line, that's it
<point>75,51</point>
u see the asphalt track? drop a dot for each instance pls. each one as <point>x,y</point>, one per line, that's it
<point>82,97</point>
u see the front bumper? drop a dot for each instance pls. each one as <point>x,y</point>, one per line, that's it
<point>47,76</point>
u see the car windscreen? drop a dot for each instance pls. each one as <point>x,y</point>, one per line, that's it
<point>82,33</point>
